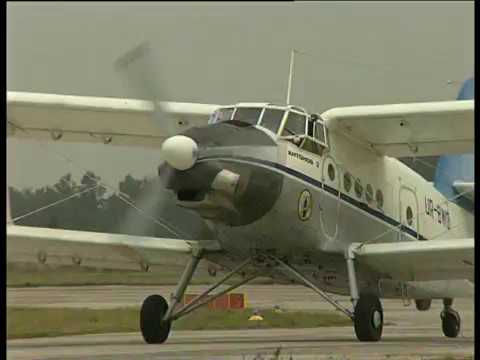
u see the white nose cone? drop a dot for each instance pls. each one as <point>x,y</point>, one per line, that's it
<point>180,152</point>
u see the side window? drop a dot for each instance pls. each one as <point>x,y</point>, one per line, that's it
<point>331,172</point>
<point>247,115</point>
<point>409,216</point>
<point>358,188</point>
<point>347,182</point>
<point>271,119</point>
<point>295,124</point>
<point>319,132</point>
<point>379,198</point>
<point>369,194</point>
<point>221,115</point>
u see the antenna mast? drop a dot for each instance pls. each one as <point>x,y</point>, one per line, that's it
<point>290,75</point>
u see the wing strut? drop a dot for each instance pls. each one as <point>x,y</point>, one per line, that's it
<point>312,286</point>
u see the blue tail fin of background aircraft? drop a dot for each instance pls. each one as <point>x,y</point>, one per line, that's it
<point>452,168</point>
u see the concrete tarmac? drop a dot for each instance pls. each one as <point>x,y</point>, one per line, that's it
<point>408,333</point>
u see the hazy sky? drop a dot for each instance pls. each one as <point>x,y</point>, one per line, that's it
<point>360,53</point>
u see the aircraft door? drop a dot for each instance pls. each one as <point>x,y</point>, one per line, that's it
<point>330,207</point>
<point>408,207</point>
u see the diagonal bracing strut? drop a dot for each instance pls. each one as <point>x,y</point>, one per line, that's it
<point>203,298</point>
<point>312,286</point>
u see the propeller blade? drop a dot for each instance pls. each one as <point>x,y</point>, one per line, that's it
<point>137,66</point>
<point>153,201</point>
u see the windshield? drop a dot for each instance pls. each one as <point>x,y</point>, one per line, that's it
<point>271,119</point>
<point>247,115</point>
<point>295,124</point>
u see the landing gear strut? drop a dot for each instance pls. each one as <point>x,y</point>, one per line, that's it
<point>368,312</point>
<point>156,316</point>
<point>451,322</point>
<point>367,316</point>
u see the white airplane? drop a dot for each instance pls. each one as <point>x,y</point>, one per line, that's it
<point>316,199</point>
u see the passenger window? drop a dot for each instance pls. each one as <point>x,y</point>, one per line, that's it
<point>272,119</point>
<point>369,194</point>
<point>379,198</point>
<point>295,124</point>
<point>347,182</point>
<point>358,188</point>
<point>247,115</point>
<point>331,172</point>
<point>409,216</point>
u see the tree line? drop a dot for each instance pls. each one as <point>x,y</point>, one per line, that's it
<point>91,207</point>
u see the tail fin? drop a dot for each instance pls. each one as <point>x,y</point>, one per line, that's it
<point>457,168</point>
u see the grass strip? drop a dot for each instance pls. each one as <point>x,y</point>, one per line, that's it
<point>49,322</point>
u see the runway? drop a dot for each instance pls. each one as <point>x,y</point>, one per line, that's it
<point>408,334</point>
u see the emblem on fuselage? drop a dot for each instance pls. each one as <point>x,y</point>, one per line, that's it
<point>305,205</point>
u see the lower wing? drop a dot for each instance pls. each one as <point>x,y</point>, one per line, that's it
<point>115,251</point>
<point>420,260</point>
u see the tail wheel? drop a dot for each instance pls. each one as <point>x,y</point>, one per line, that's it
<point>368,318</point>
<point>423,304</point>
<point>154,329</point>
<point>451,323</point>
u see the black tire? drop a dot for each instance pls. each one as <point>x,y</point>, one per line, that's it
<point>368,318</point>
<point>451,323</point>
<point>154,330</point>
<point>423,304</point>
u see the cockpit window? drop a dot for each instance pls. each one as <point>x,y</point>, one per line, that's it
<point>225,114</point>
<point>320,132</point>
<point>295,124</point>
<point>221,115</point>
<point>271,119</point>
<point>247,115</point>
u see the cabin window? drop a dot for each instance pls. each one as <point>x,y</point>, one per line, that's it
<point>295,124</point>
<point>331,172</point>
<point>347,182</point>
<point>247,115</point>
<point>271,119</point>
<point>358,188</point>
<point>409,215</point>
<point>221,115</point>
<point>379,198</point>
<point>369,194</point>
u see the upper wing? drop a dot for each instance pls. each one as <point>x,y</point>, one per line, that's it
<point>415,129</point>
<point>96,119</point>
<point>25,243</point>
<point>421,260</point>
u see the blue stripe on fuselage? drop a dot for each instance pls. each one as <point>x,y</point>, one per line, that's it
<point>318,184</point>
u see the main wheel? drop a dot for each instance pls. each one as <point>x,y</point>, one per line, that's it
<point>154,329</point>
<point>423,304</point>
<point>368,318</point>
<point>450,323</point>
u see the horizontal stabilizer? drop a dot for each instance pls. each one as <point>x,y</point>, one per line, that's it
<point>467,189</point>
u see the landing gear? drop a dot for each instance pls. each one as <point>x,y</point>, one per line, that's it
<point>451,322</point>
<point>156,316</point>
<point>368,318</point>
<point>423,304</point>
<point>154,329</point>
